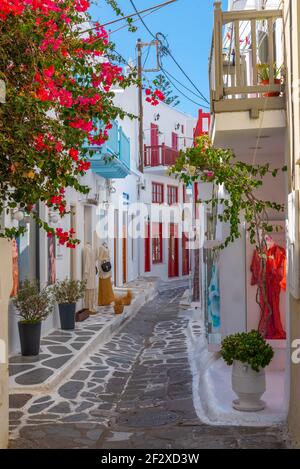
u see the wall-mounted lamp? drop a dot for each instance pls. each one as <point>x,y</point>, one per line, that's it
<point>156,117</point>
<point>18,215</point>
<point>177,126</point>
<point>53,218</point>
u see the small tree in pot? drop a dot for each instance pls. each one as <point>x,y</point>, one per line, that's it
<point>249,353</point>
<point>67,293</point>
<point>33,307</point>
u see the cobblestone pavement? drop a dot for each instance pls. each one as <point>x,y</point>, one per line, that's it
<point>134,392</point>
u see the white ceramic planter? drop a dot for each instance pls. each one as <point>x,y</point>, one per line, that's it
<point>249,386</point>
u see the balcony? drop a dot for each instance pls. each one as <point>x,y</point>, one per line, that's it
<point>241,41</point>
<point>112,160</point>
<point>159,156</point>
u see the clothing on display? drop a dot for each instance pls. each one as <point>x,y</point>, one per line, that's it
<point>105,293</point>
<point>270,326</point>
<point>213,303</point>
<point>15,263</point>
<point>90,275</point>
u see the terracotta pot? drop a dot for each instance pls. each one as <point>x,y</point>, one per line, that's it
<point>119,309</point>
<point>277,81</point>
<point>249,386</point>
<point>127,301</point>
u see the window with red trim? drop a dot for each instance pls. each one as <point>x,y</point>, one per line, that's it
<point>172,195</point>
<point>157,243</point>
<point>157,193</point>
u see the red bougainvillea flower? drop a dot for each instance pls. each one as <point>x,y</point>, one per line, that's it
<point>59,92</point>
<point>73,152</point>
<point>83,165</point>
<point>154,96</point>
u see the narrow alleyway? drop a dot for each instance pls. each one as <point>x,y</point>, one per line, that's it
<point>135,392</point>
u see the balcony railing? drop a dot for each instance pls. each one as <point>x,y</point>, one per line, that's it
<point>159,155</point>
<point>112,160</point>
<point>241,41</point>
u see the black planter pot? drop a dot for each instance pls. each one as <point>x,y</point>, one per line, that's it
<point>67,316</point>
<point>30,338</point>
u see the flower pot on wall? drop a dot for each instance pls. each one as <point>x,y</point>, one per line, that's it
<point>277,81</point>
<point>67,316</point>
<point>30,338</point>
<point>249,386</point>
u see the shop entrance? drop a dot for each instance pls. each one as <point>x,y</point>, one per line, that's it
<point>124,247</point>
<point>173,251</point>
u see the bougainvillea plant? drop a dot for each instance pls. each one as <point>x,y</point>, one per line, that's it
<point>154,96</point>
<point>219,166</point>
<point>59,79</point>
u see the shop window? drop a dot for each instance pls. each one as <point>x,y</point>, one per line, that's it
<point>157,193</point>
<point>172,195</point>
<point>157,243</point>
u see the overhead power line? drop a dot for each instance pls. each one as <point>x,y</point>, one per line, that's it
<point>179,82</point>
<point>140,12</point>
<point>140,17</point>
<point>181,92</point>
<point>134,21</point>
<point>167,49</point>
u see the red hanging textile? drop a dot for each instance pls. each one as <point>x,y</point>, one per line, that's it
<point>275,282</point>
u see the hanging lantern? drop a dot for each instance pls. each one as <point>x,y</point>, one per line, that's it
<point>18,215</point>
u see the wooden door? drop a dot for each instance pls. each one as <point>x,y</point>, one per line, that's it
<point>124,247</point>
<point>154,145</point>
<point>185,255</point>
<point>147,247</point>
<point>116,230</point>
<point>173,251</point>
<point>73,270</point>
<point>174,141</point>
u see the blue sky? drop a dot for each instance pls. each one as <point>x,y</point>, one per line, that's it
<point>188,27</point>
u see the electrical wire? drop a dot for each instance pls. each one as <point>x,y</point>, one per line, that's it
<point>134,21</point>
<point>188,78</point>
<point>139,15</point>
<point>179,82</point>
<point>147,56</point>
<point>182,93</point>
<point>170,54</point>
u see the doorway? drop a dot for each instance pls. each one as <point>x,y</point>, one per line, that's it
<point>124,247</point>
<point>173,251</point>
<point>147,247</point>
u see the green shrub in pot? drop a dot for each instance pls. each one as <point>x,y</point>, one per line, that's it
<point>250,354</point>
<point>67,293</point>
<point>33,307</point>
<point>247,347</point>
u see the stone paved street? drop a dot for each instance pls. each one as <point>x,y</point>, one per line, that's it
<point>134,392</point>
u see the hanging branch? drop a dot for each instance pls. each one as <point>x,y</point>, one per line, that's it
<point>240,181</point>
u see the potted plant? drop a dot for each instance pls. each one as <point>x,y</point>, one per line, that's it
<point>33,307</point>
<point>249,353</point>
<point>67,293</point>
<point>128,298</point>
<point>264,76</point>
<point>118,305</point>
